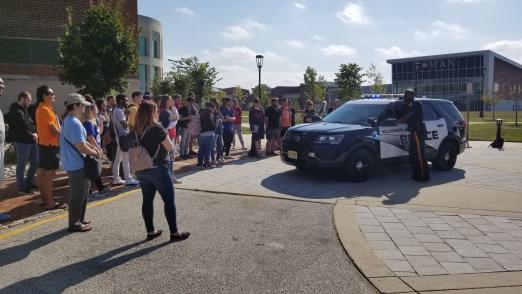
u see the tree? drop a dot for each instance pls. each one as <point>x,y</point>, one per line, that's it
<point>238,93</point>
<point>200,76</point>
<point>375,78</point>
<point>264,97</point>
<point>314,85</point>
<point>349,79</point>
<point>165,85</point>
<point>98,53</point>
<point>220,95</point>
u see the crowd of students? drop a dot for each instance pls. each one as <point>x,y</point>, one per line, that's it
<point>169,128</point>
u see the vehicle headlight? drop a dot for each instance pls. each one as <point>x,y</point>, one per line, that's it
<point>329,139</point>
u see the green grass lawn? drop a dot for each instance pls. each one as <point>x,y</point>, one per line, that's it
<point>485,131</point>
<point>507,116</point>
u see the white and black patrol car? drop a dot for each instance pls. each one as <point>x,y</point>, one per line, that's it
<point>362,133</point>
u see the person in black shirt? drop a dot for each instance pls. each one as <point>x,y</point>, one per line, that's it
<point>22,131</point>
<point>256,119</point>
<point>415,120</point>
<point>159,177</point>
<point>273,126</point>
<point>183,122</point>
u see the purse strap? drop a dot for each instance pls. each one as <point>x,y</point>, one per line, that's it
<point>73,147</point>
<point>141,139</point>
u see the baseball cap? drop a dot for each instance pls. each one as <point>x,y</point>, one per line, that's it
<point>146,96</point>
<point>75,98</point>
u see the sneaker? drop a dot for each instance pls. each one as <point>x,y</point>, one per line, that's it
<point>177,181</point>
<point>199,166</point>
<point>132,182</point>
<point>220,160</point>
<point>228,157</point>
<point>118,182</point>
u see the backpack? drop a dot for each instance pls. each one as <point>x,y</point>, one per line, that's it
<point>139,157</point>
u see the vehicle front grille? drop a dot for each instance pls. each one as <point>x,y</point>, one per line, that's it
<point>300,137</point>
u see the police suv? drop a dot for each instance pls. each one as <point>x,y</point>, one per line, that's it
<point>362,133</point>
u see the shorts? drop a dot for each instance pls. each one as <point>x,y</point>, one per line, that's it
<point>283,132</point>
<point>273,134</point>
<point>49,157</point>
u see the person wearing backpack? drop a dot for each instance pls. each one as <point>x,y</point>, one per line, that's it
<point>74,146</point>
<point>22,132</point>
<point>157,176</point>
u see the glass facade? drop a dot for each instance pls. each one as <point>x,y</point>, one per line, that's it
<point>142,43</point>
<point>143,75</point>
<point>444,78</point>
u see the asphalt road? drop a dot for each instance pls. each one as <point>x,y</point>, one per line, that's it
<point>238,245</point>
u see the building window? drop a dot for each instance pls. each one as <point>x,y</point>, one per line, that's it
<point>157,73</point>
<point>26,51</point>
<point>143,46</point>
<point>143,75</point>
<point>156,49</point>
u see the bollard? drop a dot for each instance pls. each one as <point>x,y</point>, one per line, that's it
<point>499,141</point>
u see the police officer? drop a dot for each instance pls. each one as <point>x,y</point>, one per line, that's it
<point>414,118</point>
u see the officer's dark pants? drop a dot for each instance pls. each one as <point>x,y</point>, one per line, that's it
<point>419,164</point>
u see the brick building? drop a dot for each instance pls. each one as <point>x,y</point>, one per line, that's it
<point>29,32</point>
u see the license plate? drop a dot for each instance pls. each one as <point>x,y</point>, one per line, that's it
<point>292,154</point>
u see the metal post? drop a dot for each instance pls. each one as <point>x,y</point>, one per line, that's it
<point>259,89</point>
<point>481,103</point>
<point>516,106</point>
<point>467,121</point>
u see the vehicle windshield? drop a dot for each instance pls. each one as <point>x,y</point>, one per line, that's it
<point>355,113</point>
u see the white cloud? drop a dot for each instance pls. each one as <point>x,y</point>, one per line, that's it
<point>354,13</point>
<point>294,44</point>
<point>318,38</point>
<point>342,50</point>
<point>185,10</point>
<point>396,52</point>
<point>299,5</point>
<point>244,30</point>
<point>242,54</point>
<point>510,48</point>
<point>440,28</point>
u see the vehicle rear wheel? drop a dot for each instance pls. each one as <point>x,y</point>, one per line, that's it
<point>359,165</point>
<point>446,158</point>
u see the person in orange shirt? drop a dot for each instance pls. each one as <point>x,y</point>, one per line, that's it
<point>48,130</point>
<point>287,117</point>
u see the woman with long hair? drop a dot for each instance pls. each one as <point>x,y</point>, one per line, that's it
<point>89,122</point>
<point>168,117</point>
<point>154,138</point>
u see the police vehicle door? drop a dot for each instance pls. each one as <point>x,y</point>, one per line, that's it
<point>435,126</point>
<point>393,139</point>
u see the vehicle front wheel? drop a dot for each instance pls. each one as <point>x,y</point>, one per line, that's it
<point>446,158</point>
<point>359,165</point>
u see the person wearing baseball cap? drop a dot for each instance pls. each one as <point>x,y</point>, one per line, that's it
<point>73,141</point>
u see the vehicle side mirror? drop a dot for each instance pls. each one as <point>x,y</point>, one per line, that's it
<point>372,122</point>
<point>390,121</point>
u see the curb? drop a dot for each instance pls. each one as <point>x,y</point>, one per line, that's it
<point>386,281</point>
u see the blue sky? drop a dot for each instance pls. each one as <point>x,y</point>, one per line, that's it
<point>323,34</point>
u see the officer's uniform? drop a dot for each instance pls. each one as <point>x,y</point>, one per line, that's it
<point>417,137</point>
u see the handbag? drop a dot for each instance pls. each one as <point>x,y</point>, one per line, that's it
<point>139,157</point>
<point>91,165</point>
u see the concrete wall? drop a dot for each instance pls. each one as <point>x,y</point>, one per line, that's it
<point>148,27</point>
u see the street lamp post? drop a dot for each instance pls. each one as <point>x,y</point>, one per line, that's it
<point>259,61</point>
<point>516,106</point>
<point>416,66</point>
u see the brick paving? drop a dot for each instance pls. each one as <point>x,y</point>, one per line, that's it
<point>418,243</point>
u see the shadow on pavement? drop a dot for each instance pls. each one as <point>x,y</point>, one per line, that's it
<point>20,252</point>
<point>60,279</point>
<point>393,183</point>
